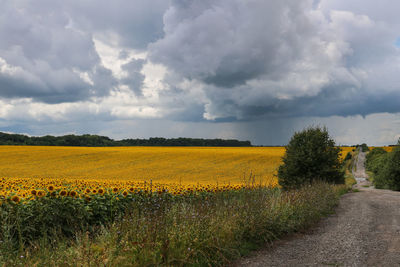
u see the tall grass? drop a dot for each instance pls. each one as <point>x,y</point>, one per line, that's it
<point>198,230</point>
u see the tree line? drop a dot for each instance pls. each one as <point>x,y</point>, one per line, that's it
<point>102,141</point>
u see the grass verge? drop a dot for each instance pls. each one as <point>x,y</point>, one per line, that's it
<point>198,230</point>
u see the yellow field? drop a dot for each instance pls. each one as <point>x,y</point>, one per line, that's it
<point>345,150</point>
<point>386,148</point>
<point>23,168</point>
<point>183,165</point>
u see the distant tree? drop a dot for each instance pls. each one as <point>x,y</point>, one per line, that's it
<point>364,147</point>
<point>311,155</point>
<point>96,140</point>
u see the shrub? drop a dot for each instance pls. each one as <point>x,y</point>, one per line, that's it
<point>374,159</point>
<point>311,155</point>
<point>388,171</point>
<point>364,148</point>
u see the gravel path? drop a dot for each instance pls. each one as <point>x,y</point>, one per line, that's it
<point>365,231</point>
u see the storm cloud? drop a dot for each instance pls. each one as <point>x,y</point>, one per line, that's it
<point>269,58</point>
<point>212,62</point>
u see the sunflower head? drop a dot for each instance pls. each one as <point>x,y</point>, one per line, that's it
<point>115,189</point>
<point>73,193</point>
<point>33,192</point>
<point>125,193</point>
<point>15,199</point>
<point>87,190</point>
<point>63,193</point>
<point>50,188</point>
<point>100,191</point>
<point>94,191</point>
<point>40,193</point>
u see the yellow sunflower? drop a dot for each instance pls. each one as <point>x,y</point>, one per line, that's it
<point>16,199</point>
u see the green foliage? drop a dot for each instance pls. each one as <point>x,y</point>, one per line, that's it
<point>374,159</point>
<point>194,230</point>
<point>363,147</point>
<point>349,155</point>
<point>311,155</point>
<point>95,140</point>
<point>53,215</point>
<point>385,167</point>
<point>388,174</point>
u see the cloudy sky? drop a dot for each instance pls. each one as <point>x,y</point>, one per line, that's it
<point>248,69</point>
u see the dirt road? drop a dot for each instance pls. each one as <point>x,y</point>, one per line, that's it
<point>365,231</point>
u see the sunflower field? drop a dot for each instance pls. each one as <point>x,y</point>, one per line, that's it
<point>52,192</point>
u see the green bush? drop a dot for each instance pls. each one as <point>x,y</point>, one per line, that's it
<point>388,171</point>
<point>374,159</point>
<point>311,155</point>
<point>364,147</point>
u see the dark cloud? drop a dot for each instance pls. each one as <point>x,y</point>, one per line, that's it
<point>47,50</point>
<point>133,24</point>
<point>134,79</point>
<point>264,59</point>
<point>44,59</point>
<point>226,43</point>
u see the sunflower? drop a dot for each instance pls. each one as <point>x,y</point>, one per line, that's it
<point>73,193</point>
<point>40,193</point>
<point>100,191</point>
<point>87,190</point>
<point>63,193</point>
<point>94,191</point>
<point>50,188</point>
<point>115,189</point>
<point>125,193</point>
<point>16,199</point>
<point>33,192</point>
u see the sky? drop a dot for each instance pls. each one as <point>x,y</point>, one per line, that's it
<point>245,69</point>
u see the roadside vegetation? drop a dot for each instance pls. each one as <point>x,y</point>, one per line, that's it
<point>348,165</point>
<point>384,167</point>
<point>194,230</point>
